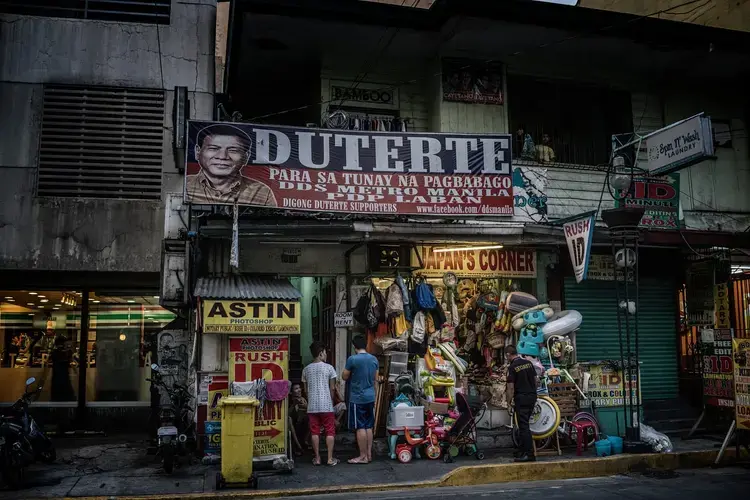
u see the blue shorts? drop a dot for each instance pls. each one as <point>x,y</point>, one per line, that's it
<point>361,416</point>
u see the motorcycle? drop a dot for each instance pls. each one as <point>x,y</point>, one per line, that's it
<point>16,450</point>
<point>41,444</point>
<point>176,436</point>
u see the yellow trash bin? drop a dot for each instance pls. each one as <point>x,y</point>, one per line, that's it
<point>237,440</point>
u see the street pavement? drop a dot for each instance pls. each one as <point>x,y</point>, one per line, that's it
<point>698,484</point>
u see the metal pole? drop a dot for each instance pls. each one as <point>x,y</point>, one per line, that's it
<point>83,360</point>
<point>619,328</point>
<point>635,392</point>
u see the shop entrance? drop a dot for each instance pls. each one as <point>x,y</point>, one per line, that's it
<point>318,304</point>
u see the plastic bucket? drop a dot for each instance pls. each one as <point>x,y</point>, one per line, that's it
<point>616,444</point>
<point>603,448</point>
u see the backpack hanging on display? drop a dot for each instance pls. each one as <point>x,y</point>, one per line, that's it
<point>361,310</point>
<point>425,296</point>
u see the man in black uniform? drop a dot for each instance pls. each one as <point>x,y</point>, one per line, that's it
<point>521,387</point>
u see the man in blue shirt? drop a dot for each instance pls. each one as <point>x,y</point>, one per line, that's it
<point>361,373</point>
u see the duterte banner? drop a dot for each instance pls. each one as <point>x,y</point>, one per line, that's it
<point>348,171</point>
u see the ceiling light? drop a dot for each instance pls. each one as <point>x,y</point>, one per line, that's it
<point>446,250</point>
<point>123,337</point>
<point>32,293</point>
<point>41,296</point>
<point>131,301</point>
<point>9,298</point>
<point>44,300</point>
<point>30,304</point>
<point>156,296</point>
<point>97,301</point>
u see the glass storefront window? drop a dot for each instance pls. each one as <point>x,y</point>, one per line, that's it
<point>122,330</point>
<point>40,336</point>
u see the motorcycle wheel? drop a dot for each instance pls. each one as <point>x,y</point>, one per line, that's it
<point>168,455</point>
<point>14,477</point>
<point>48,456</point>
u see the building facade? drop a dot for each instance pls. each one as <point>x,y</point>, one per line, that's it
<point>88,165</point>
<point>570,78</point>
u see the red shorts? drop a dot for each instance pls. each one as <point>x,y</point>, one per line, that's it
<point>325,420</point>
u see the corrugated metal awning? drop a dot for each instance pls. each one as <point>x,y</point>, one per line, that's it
<point>242,287</point>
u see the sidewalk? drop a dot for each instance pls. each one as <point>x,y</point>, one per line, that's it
<point>107,467</point>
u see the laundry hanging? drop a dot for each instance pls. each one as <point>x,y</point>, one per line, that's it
<point>365,121</point>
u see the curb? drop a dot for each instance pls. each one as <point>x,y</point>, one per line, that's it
<point>477,475</point>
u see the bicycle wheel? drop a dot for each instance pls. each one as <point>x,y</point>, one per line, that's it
<point>591,433</point>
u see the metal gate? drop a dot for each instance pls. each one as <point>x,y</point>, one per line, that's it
<point>740,305</point>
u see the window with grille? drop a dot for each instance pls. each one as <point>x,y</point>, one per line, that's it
<point>132,11</point>
<point>101,142</point>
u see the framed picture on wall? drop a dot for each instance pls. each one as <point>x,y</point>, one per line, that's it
<point>472,82</point>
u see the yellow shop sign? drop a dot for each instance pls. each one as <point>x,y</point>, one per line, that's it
<point>251,316</point>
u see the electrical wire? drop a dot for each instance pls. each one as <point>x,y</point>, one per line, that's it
<point>496,59</point>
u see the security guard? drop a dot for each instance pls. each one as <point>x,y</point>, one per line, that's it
<point>521,389</point>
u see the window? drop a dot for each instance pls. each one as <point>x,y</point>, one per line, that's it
<point>132,11</point>
<point>40,337</point>
<point>101,142</point>
<point>567,123</point>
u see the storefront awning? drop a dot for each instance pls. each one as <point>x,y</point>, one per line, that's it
<point>243,287</point>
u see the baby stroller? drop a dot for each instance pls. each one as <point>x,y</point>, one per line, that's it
<point>463,434</point>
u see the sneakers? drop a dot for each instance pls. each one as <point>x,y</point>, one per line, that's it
<point>524,458</point>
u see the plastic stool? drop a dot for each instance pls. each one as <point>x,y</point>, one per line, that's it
<point>581,441</point>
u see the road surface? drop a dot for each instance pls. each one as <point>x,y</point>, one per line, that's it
<point>703,484</point>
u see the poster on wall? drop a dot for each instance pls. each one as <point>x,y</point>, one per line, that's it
<point>257,316</point>
<point>253,358</point>
<point>530,194</point>
<point>602,268</point>
<point>741,350</point>
<point>718,370</point>
<point>579,233</point>
<point>353,172</point>
<point>217,387</point>
<point>660,196</point>
<point>476,261</point>
<point>605,386</point>
<point>472,82</point>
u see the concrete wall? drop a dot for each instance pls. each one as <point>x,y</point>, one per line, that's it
<point>728,14</point>
<point>92,234</point>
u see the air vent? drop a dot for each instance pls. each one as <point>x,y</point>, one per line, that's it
<point>129,11</point>
<point>101,142</point>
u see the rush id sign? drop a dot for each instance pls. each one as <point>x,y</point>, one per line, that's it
<point>255,316</point>
<point>578,236</point>
<point>478,261</point>
<point>741,349</point>
<point>253,358</point>
<point>348,171</point>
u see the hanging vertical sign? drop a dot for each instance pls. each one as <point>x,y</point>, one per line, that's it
<point>741,348</point>
<point>721,305</point>
<point>253,358</point>
<point>578,235</point>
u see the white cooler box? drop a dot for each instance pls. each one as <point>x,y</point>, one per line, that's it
<point>407,416</point>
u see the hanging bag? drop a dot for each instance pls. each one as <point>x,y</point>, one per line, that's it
<point>425,297</point>
<point>362,309</point>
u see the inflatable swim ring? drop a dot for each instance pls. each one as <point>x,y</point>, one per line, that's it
<point>562,323</point>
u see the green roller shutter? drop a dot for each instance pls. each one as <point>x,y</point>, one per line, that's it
<point>598,339</point>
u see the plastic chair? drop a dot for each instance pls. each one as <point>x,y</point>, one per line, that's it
<point>581,431</point>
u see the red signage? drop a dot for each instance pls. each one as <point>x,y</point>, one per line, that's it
<point>349,171</point>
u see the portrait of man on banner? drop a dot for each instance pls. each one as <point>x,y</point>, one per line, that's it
<point>223,151</point>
